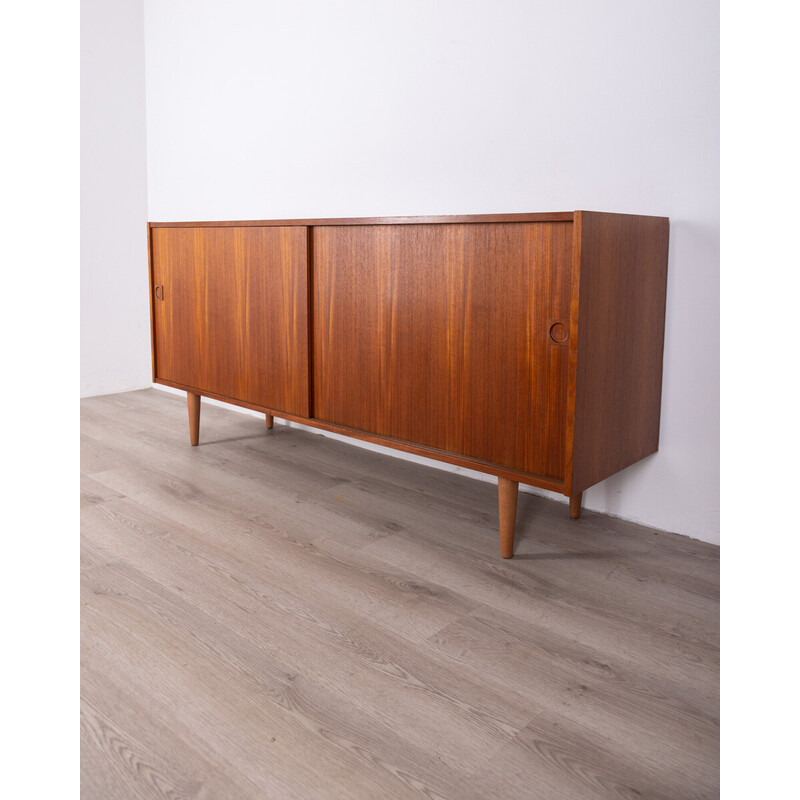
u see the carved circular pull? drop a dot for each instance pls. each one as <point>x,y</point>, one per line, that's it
<point>559,332</point>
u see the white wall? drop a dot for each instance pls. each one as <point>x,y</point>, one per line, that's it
<point>271,109</point>
<point>115,327</point>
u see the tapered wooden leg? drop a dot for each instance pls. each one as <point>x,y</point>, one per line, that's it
<point>575,505</point>
<point>270,421</point>
<point>507,495</point>
<point>194,417</point>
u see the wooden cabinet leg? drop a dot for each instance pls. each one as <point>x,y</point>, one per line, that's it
<point>507,495</point>
<point>270,421</point>
<point>194,417</point>
<point>575,505</point>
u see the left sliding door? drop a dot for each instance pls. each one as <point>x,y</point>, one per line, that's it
<point>230,313</point>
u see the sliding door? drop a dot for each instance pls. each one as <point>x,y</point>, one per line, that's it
<point>451,336</point>
<point>230,312</point>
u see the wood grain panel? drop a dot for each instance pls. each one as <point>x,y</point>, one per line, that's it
<point>439,335</point>
<point>621,294</point>
<point>233,320</point>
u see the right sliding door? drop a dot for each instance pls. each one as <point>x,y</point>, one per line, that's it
<point>450,336</point>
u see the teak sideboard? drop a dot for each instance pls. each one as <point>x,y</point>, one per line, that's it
<point>526,346</point>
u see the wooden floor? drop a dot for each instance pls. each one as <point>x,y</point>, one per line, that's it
<point>275,614</point>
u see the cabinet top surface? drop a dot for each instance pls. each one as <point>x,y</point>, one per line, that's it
<point>556,216</point>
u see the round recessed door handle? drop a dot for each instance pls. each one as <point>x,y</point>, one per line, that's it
<point>559,332</point>
<point>159,292</point>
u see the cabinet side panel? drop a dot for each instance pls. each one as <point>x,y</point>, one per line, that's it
<point>439,335</point>
<point>621,310</point>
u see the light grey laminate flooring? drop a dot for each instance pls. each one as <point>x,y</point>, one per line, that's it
<point>275,614</point>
